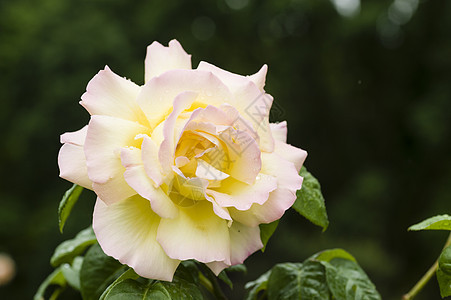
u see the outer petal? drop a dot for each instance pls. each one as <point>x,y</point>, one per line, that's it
<point>105,137</point>
<point>136,177</point>
<point>255,106</point>
<point>217,266</point>
<point>234,80</point>
<point>157,95</point>
<point>250,99</point>
<point>197,233</point>
<point>259,78</point>
<point>240,195</point>
<point>273,209</point>
<point>71,158</point>
<point>72,164</point>
<point>76,138</point>
<point>244,241</point>
<point>292,154</point>
<point>111,95</point>
<point>285,171</point>
<point>160,59</point>
<point>288,182</point>
<point>279,131</point>
<point>127,231</point>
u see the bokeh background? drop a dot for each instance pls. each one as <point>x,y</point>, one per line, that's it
<point>364,85</point>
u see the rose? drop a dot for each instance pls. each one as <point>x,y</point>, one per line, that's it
<point>185,167</point>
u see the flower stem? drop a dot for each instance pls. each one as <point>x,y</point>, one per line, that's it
<point>426,277</point>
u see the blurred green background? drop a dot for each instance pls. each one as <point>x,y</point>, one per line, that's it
<point>365,88</point>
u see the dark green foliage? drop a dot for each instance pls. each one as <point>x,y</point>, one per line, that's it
<point>57,279</point>
<point>310,200</point>
<point>67,250</point>
<point>298,281</point>
<point>266,231</point>
<point>331,274</point>
<point>444,272</point>
<point>98,272</point>
<point>67,203</point>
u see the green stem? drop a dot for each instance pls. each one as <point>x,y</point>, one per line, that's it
<point>426,277</point>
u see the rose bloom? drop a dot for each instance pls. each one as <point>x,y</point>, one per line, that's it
<point>185,167</point>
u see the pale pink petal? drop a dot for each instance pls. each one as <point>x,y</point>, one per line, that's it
<point>189,190</point>
<point>104,140</point>
<point>136,177</point>
<point>106,136</point>
<point>250,99</point>
<point>259,78</point>
<point>206,171</point>
<point>279,131</point>
<point>284,170</point>
<point>76,138</point>
<point>72,164</point>
<point>151,161</point>
<point>167,148</point>
<point>197,233</point>
<point>273,209</point>
<point>111,95</point>
<point>114,190</point>
<point>233,80</point>
<point>160,59</point>
<point>244,155</point>
<point>71,158</point>
<point>217,266</point>
<point>241,196</point>
<point>244,241</point>
<point>157,95</point>
<point>288,182</point>
<point>127,231</point>
<point>254,105</point>
<point>295,155</point>
<point>222,212</point>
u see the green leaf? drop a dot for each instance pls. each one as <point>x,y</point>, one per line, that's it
<point>129,274</point>
<point>188,270</point>
<point>310,200</point>
<point>55,278</point>
<point>444,272</point>
<point>347,281</point>
<point>72,272</point>
<point>154,290</point>
<point>98,271</point>
<point>67,203</point>
<point>328,255</point>
<point>241,268</point>
<point>69,249</point>
<point>236,268</point>
<point>441,222</point>
<point>209,280</point>
<point>225,278</point>
<point>257,287</point>
<point>298,281</point>
<point>266,231</point>
<point>444,282</point>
